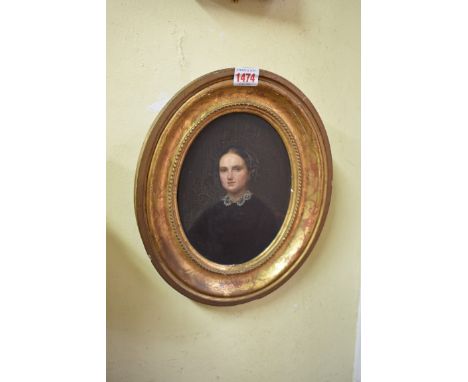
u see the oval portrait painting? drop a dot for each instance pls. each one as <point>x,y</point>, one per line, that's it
<point>234,188</point>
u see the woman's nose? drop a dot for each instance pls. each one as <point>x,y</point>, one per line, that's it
<point>229,174</point>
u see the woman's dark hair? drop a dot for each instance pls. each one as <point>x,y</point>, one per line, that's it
<point>250,161</point>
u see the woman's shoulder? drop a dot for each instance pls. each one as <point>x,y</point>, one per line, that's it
<point>206,217</point>
<point>257,206</point>
<point>213,208</point>
<point>256,201</point>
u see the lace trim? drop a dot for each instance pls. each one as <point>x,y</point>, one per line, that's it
<point>247,196</point>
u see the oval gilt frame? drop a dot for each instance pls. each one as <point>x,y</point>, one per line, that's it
<point>300,128</point>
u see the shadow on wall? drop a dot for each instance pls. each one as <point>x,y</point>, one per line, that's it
<point>139,302</point>
<point>129,288</point>
<point>287,11</point>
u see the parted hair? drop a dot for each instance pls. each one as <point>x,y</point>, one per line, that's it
<point>249,159</point>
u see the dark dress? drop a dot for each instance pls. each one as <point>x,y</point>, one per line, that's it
<point>234,234</point>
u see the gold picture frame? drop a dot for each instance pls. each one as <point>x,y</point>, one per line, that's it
<point>296,122</point>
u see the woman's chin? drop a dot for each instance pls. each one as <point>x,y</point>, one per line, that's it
<point>235,194</point>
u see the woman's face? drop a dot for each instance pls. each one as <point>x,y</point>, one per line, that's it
<point>233,174</point>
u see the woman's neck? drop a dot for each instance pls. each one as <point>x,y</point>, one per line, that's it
<point>235,197</point>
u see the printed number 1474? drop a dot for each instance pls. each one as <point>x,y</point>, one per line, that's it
<point>245,77</point>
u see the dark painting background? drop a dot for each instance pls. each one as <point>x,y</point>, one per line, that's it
<point>199,185</point>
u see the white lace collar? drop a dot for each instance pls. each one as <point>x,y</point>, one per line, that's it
<point>227,200</point>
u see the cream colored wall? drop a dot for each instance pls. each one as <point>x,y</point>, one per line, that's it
<point>305,331</point>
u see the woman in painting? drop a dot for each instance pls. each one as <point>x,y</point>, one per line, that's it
<point>240,226</point>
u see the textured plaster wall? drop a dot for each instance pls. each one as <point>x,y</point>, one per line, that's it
<point>305,331</point>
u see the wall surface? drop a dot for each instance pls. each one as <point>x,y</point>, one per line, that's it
<point>304,331</point>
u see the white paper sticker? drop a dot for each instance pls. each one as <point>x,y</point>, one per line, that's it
<point>246,76</point>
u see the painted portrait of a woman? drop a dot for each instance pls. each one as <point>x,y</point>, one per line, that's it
<point>239,226</point>
<point>234,189</point>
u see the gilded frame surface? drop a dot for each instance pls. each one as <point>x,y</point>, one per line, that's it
<point>298,124</point>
